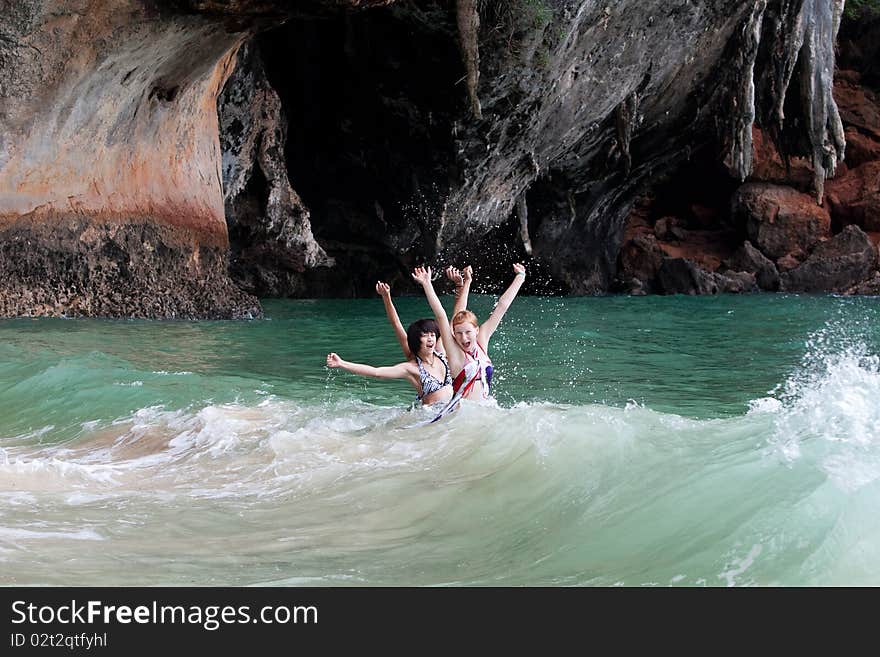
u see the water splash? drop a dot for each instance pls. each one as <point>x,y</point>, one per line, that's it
<point>827,409</point>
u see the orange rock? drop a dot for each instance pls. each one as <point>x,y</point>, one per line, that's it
<point>853,197</point>
<point>780,220</point>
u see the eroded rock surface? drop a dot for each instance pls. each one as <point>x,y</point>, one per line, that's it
<point>270,230</point>
<point>837,265</point>
<point>109,134</point>
<point>365,142</point>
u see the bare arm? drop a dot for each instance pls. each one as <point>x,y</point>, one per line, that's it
<point>488,327</point>
<point>462,280</point>
<point>455,355</point>
<point>384,291</point>
<point>399,371</point>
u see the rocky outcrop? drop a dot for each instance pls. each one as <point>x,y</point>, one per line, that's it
<point>773,209</point>
<point>269,226</point>
<point>682,276</point>
<point>79,267</point>
<point>779,220</point>
<point>418,131</point>
<point>526,131</point>
<point>837,265</point>
<point>568,119</point>
<point>751,260</point>
<point>109,134</point>
<point>110,162</point>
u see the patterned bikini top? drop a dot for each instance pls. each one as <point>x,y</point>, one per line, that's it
<point>431,383</point>
<point>485,365</point>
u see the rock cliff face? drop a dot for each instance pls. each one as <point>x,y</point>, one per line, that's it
<point>403,155</point>
<point>792,243</point>
<point>110,194</point>
<point>150,149</point>
<point>421,132</point>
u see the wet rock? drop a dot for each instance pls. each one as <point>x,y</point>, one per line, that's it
<point>854,197</point>
<point>780,220</point>
<point>82,266</point>
<point>738,282</point>
<point>640,259</point>
<point>838,264</point>
<point>681,276</point>
<point>871,286</point>
<point>748,259</point>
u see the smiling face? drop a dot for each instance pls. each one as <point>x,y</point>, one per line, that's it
<point>427,341</point>
<point>421,337</point>
<point>465,334</point>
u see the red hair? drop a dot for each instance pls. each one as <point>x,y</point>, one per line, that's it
<point>463,316</point>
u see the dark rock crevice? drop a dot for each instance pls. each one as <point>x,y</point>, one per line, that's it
<point>371,99</point>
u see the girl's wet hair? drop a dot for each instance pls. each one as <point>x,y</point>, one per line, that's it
<point>416,330</point>
<point>463,316</point>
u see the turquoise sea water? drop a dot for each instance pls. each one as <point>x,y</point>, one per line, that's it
<point>635,441</point>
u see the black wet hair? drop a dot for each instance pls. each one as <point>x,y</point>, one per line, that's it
<point>416,330</point>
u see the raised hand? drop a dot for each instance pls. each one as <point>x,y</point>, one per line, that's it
<point>333,360</point>
<point>455,276</point>
<point>422,275</point>
<point>519,269</point>
<point>467,274</point>
<point>383,289</point>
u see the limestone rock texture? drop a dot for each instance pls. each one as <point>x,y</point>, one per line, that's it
<point>487,132</point>
<point>181,158</point>
<point>110,190</point>
<point>803,153</point>
<point>270,227</point>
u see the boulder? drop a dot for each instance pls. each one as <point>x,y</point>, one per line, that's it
<point>682,276</point>
<point>769,166</point>
<point>871,286</point>
<point>640,259</point>
<point>854,197</point>
<point>837,265</point>
<point>748,259</point>
<point>780,220</point>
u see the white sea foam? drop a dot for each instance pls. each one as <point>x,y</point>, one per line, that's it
<point>580,491</point>
<point>765,405</point>
<point>13,535</point>
<point>740,566</point>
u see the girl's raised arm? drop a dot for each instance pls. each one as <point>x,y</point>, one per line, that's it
<point>384,291</point>
<point>462,280</point>
<point>488,327</point>
<point>455,355</point>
